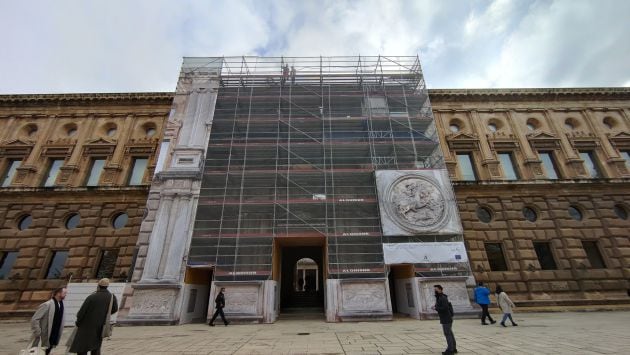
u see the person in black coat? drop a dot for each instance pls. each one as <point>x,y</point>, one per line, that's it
<point>91,320</point>
<point>445,312</point>
<point>219,302</point>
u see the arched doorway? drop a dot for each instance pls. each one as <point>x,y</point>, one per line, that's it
<point>302,279</point>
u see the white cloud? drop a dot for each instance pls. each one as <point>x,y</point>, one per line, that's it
<point>78,46</point>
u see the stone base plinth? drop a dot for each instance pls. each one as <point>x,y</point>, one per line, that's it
<point>154,304</point>
<point>247,301</point>
<point>454,288</point>
<point>357,300</point>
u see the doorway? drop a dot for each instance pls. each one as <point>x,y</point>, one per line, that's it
<point>301,276</point>
<point>197,283</point>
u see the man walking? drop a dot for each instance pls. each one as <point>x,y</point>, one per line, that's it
<point>92,318</point>
<point>47,322</point>
<point>445,312</point>
<point>219,302</point>
<point>482,298</point>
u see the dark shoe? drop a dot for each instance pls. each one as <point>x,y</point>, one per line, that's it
<point>514,325</point>
<point>455,351</point>
<point>493,321</point>
<point>447,353</point>
<point>226,323</point>
<point>210,324</point>
<point>503,324</point>
<point>484,323</point>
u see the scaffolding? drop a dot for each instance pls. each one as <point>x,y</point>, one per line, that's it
<point>293,148</point>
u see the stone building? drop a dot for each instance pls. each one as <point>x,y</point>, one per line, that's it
<point>542,182</point>
<point>90,181</point>
<point>75,175</point>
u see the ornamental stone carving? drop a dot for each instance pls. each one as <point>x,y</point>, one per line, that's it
<point>153,301</point>
<point>416,202</point>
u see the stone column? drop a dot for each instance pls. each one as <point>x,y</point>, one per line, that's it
<point>158,297</point>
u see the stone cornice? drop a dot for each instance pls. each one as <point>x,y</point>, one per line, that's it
<point>87,98</point>
<point>546,94</point>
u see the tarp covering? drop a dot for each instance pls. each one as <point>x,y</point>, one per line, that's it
<point>421,253</point>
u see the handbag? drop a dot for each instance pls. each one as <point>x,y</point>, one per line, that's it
<point>32,350</point>
<point>107,327</point>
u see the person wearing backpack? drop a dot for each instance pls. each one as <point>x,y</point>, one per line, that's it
<point>445,312</point>
<point>482,298</point>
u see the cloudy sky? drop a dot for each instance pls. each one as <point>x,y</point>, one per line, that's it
<point>123,46</point>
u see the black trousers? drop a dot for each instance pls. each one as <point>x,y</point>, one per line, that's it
<point>219,312</point>
<point>451,345</point>
<point>92,352</point>
<point>485,313</point>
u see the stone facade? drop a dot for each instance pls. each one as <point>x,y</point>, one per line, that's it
<point>526,124</point>
<point>75,129</point>
<point>521,122</point>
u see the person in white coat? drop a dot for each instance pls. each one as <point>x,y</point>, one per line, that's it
<point>506,305</point>
<point>47,322</point>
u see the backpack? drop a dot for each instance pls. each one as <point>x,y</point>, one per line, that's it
<point>450,309</point>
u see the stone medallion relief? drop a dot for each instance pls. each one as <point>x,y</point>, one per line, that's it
<point>417,202</point>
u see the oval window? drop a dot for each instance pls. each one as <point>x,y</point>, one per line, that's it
<point>530,214</point>
<point>73,221</point>
<point>120,220</point>
<point>621,211</point>
<point>484,214</point>
<point>575,213</point>
<point>492,127</point>
<point>150,131</point>
<point>454,128</point>
<point>25,222</point>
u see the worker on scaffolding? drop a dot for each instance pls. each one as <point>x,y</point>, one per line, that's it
<point>292,75</point>
<point>285,73</point>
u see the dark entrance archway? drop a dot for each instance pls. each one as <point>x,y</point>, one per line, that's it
<point>307,294</point>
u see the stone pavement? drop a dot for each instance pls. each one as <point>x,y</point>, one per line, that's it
<point>537,333</point>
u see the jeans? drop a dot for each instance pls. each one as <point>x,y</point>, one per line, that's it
<point>450,337</point>
<point>485,313</point>
<point>506,316</point>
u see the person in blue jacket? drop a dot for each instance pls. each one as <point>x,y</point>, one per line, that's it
<point>482,298</point>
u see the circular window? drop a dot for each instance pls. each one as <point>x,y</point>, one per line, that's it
<point>621,211</point>
<point>531,127</point>
<point>609,122</point>
<point>569,124</point>
<point>575,213</point>
<point>120,220</point>
<point>72,132</point>
<point>484,214</point>
<point>454,128</point>
<point>31,130</point>
<point>73,221</point>
<point>530,214</point>
<point>25,222</point>
<point>111,131</point>
<point>492,127</point>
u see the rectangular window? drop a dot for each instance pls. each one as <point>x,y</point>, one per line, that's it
<point>57,263</point>
<point>496,257</point>
<point>107,264</point>
<point>549,165</point>
<point>593,254</point>
<point>95,172</point>
<point>7,178</point>
<point>7,259</point>
<point>466,167</point>
<point>138,169</point>
<point>507,163</point>
<point>590,164</point>
<point>545,257</point>
<point>53,172</point>
<point>626,156</point>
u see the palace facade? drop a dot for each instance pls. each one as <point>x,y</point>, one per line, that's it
<point>281,189</point>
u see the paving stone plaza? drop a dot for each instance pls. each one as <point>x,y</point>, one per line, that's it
<point>537,333</point>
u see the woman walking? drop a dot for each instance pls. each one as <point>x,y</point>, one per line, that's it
<point>506,305</point>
